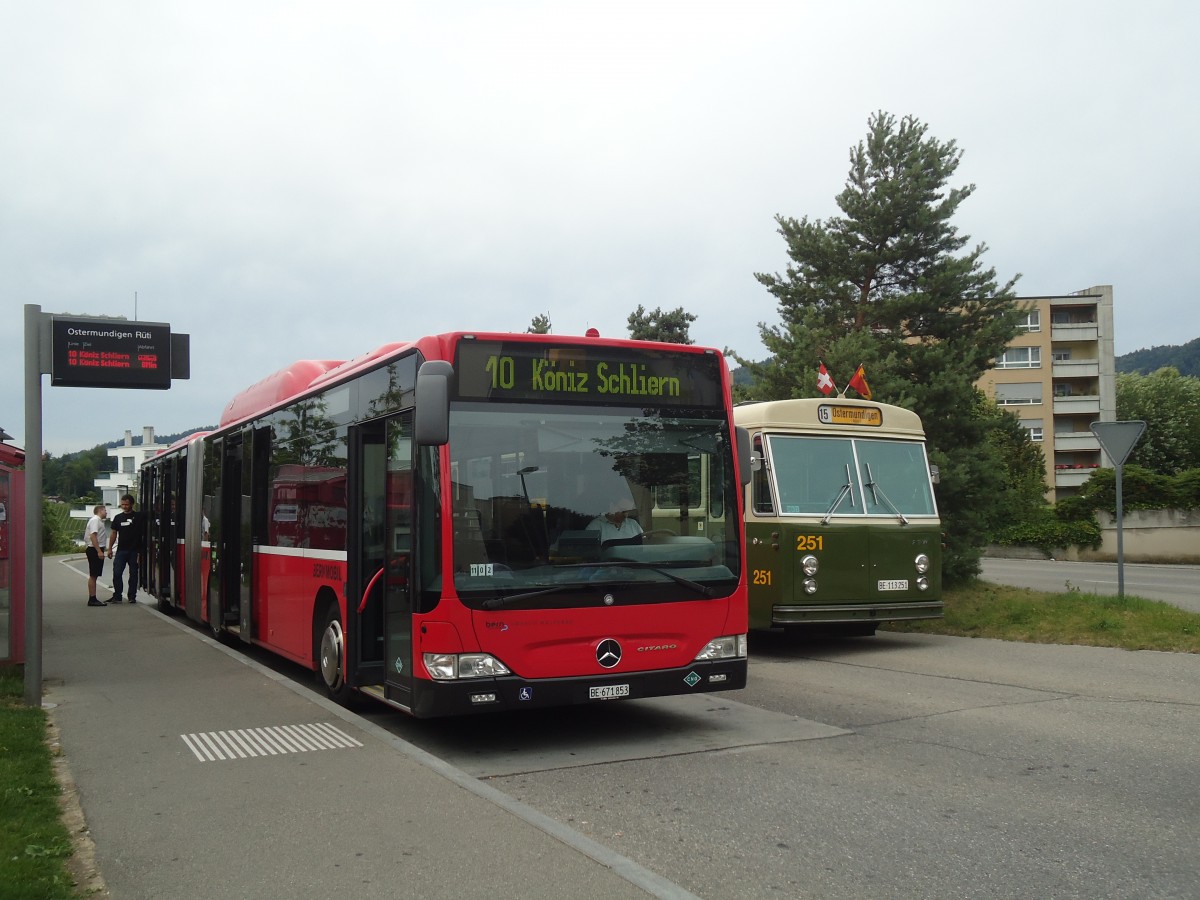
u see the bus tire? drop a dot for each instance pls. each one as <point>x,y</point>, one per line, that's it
<point>331,656</point>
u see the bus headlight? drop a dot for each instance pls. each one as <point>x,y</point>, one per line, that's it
<point>731,646</point>
<point>810,585</point>
<point>809,565</point>
<point>922,563</point>
<point>449,666</point>
<point>922,583</point>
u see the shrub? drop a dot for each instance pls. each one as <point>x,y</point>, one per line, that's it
<point>1046,531</point>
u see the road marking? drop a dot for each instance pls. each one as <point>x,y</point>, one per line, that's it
<point>276,740</point>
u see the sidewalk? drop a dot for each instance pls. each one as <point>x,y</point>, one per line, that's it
<point>333,807</point>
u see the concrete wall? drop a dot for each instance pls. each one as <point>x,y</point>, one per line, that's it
<point>1150,536</point>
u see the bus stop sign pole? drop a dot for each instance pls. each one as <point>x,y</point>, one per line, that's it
<point>1117,439</point>
<point>72,351</point>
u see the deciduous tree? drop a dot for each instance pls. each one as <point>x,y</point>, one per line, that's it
<point>1169,404</point>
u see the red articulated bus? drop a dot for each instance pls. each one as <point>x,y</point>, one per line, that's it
<point>470,522</point>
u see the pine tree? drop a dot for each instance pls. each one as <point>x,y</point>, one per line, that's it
<point>671,327</point>
<point>885,286</point>
<point>539,325</point>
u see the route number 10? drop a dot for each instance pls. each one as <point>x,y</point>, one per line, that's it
<point>503,371</point>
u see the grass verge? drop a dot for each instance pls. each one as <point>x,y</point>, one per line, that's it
<point>986,610</point>
<point>34,843</point>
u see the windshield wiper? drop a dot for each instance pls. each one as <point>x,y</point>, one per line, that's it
<point>696,586</point>
<point>508,599</point>
<point>877,492</point>
<point>837,501</point>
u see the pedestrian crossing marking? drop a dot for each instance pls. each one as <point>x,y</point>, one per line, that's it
<point>274,740</point>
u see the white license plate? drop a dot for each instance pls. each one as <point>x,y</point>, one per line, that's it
<point>893,586</point>
<point>608,692</point>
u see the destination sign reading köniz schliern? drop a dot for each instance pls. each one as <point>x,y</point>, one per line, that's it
<point>111,353</point>
<point>578,373</point>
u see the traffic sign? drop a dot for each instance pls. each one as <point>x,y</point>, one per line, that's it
<point>1118,438</point>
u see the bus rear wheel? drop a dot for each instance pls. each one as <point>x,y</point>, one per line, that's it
<point>331,657</point>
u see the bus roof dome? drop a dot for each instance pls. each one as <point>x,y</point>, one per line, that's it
<point>274,389</point>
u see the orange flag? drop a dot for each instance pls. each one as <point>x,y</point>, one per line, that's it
<point>859,383</point>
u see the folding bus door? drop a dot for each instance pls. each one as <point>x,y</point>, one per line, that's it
<point>379,599</point>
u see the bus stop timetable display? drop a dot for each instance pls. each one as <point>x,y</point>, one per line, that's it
<point>110,353</point>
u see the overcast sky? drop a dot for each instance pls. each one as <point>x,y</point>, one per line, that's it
<point>292,180</point>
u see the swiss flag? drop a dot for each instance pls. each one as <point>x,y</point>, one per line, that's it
<point>825,381</point>
<point>859,383</point>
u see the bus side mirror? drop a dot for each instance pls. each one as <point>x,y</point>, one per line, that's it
<point>745,455</point>
<point>431,421</point>
<point>935,474</point>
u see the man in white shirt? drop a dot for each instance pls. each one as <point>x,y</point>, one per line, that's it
<point>95,536</point>
<point>617,524</point>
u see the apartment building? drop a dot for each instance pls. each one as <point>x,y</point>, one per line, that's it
<point>1059,376</point>
<point>130,456</point>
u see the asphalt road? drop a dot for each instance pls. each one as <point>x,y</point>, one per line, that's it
<point>918,766</point>
<point>1178,585</point>
<point>899,766</point>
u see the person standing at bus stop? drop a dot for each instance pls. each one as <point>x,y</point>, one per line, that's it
<point>95,536</point>
<point>128,534</point>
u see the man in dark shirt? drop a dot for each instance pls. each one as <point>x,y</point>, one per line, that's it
<point>128,534</point>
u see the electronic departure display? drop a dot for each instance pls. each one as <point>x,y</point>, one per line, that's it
<point>110,353</point>
<point>513,370</point>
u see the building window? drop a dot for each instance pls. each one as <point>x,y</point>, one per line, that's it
<point>1020,358</point>
<point>1035,433</point>
<point>1062,355</point>
<point>1032,321</point>
<point>127,465</point>
<point>1019,394</point>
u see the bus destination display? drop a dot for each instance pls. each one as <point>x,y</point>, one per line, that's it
<point>110,353</point>
<point>495,370</point>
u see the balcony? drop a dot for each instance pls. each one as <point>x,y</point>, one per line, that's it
<point>1072,476</point>
<point>1078,405</point>
<point>1076,368</point>
<point>1076,440</point>
<point>1088,332</point>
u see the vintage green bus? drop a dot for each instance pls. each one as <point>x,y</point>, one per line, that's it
<point>842,527</point>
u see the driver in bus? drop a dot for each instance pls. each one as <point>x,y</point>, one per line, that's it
<point>617,526</point>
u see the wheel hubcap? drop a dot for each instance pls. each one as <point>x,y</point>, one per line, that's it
<point>331,654</point>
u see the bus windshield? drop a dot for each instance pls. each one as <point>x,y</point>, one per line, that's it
<point>553,505</point>
<point>850,477</point>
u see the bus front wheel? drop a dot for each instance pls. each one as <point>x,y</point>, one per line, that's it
<point>331,657</point>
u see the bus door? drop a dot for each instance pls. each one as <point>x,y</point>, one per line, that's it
<point>253,519</point>
<point>163,525</point>
<point>379,602</point>
<point>230,583</point>
<point>150,499</point>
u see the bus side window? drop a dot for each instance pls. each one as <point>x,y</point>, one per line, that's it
<point>760,481</point>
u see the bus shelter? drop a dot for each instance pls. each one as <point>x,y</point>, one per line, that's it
<point>12,555</point>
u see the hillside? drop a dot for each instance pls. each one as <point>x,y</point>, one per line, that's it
<point>1184,357</point>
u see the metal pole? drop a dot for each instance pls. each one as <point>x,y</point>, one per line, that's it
<point>33,504</point>
<point>1120,540</point>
